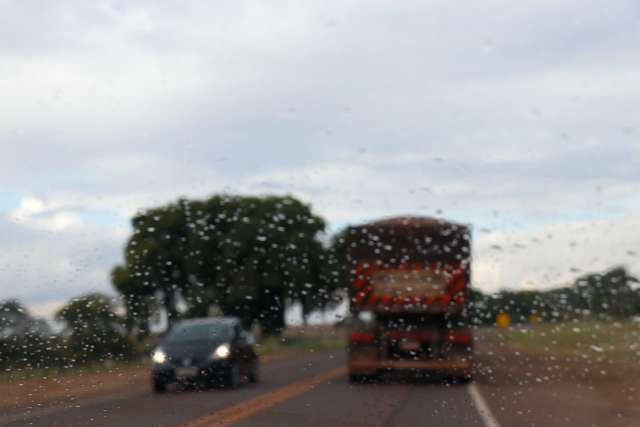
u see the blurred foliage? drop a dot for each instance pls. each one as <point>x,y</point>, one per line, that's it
<point>25,341</point>
<point>32,352</point>
<point>93,331</point>
<point>12,306</point>
<point>137,300</point>
<point>244,256</point>
<point>610,295</point>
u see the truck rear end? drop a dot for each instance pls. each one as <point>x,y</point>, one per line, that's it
<point>409,291</point>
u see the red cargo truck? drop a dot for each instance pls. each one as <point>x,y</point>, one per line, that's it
<point>409,292</point>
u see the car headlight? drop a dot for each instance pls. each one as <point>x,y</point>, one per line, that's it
<point>159,356</point>
<point>222,352</point>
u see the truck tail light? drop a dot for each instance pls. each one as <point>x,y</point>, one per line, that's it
<point>361,338</point>
<point>462,337</point>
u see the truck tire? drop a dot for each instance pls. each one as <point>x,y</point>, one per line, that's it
<point>466,379</point>
<point>462,379</point>
<point>158,386</point>
<point>361,378</point>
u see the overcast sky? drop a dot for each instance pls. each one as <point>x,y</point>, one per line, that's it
<point>520,118</point>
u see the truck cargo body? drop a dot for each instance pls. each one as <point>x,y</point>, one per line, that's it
<point>409,290</point>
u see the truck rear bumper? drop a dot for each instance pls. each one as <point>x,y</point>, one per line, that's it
<point>455,366</point>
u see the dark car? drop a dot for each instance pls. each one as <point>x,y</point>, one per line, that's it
<point>206,352</point>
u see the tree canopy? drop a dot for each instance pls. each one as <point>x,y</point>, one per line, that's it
<point>91,311</point>
<point>247,256</point>
<point>15,320</point>
<point>93,328</point>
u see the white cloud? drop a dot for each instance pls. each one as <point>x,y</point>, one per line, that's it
<point>33,212</point>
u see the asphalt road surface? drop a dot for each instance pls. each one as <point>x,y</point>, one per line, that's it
<point>308,390</point>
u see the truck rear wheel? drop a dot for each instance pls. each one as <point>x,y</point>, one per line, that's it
<point>158,386</point>
<point>462,379</point>
<point>362,378</point>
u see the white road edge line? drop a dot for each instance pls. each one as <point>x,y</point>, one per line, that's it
<point>482,407</point>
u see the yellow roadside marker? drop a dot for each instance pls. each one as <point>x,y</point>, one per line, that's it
<point>503,320</point>
<point>534,320</point>
<point>233,414</point>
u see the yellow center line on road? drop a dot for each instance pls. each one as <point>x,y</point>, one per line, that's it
<point>233,414</point>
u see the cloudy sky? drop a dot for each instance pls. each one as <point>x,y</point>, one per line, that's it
<point>518,117</point>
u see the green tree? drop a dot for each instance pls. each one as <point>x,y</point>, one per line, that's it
<point>250,255</point>
<point>12,315</point>
<point>93,329</point>
<point>246,255</point>
<point>12,306</point>
<point>608,294</point>
<point>138,301</point>
<point>156,256</point>
<point>25,341</point>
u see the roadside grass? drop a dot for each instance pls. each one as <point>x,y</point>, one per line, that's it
<point>16,375</point>
<point>314,338</point>
<point>139,360</point>
<point>585,339</point>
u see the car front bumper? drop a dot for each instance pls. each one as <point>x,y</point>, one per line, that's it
<point>213,371</point>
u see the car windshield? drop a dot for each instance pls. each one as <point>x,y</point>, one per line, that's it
<point>358,213</point>
<point>202,332</point>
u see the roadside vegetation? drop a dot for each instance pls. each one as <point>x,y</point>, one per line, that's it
<point>613,294</point>
<point>296,339</point>
<point>613,341</point>
<point>594,318</point>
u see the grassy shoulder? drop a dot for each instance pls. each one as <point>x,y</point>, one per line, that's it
<point>297,339</point>
<point>19,375</point>
<point>574,373</point>
<point>595,340</point>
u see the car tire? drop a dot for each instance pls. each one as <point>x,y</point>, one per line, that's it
<point>233,377</point>
<point>159,386</point>
<point>253,376</point>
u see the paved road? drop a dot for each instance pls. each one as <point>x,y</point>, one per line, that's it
<point>309,390</point>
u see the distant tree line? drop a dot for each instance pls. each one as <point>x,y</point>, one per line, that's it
<point>613,294</point>
<point>92,332</point>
